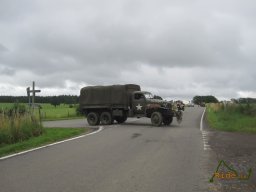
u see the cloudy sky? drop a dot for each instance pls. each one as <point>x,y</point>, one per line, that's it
<point>173,48</point>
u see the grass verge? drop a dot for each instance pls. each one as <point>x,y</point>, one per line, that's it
<point>63,118</point>
<point>48,112</point>
<point>50,135</point>
<point>230,120</point>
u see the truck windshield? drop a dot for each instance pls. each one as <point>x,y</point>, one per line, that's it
<point>148,95</point>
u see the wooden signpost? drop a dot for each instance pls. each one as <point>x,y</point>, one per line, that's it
<point>33,91</point>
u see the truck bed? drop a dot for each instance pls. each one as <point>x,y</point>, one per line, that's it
<point>113,96</point>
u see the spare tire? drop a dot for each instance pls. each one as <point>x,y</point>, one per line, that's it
<point>167,120</point>
<point>121,119</point>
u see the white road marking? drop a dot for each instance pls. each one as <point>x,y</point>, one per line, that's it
<point>204,134</point>
<point>52,144</point>
<point>201,122</point>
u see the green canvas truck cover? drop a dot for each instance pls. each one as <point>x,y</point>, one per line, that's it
<point>107,96</point>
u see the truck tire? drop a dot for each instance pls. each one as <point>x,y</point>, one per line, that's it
<point>106,118</point>
<point>121,119</point>
<point>156,119</point>
<point>167,120</point>
<point>93,118</point>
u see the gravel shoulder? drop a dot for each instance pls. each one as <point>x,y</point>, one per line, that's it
<point>237,150</point>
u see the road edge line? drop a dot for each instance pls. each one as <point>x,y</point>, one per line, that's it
<point>201,122</point>
<point>52,144</point>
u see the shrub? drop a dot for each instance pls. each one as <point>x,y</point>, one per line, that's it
<point>16,124</point>
<point>245,109</point>
<point>18,128</point>
<point>79,112</point>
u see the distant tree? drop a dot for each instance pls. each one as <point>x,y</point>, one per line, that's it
<point>197,100</point>
<point>55,101</point>
<point>67,99</point>
<point>247,100</point>
<point>205,99</point>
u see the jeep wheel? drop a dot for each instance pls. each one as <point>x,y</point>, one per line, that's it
<point>93,118</point>
<point>121,119</point>
<point>106,118</point>
<point>167,120</point>
<point>179,115</point>
<point>156,119</point>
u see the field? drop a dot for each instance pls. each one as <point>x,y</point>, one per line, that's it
<point>63,111</point>
<point>49,112</point>
<point>232,117</point>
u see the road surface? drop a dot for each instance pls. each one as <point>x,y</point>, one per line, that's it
<point>134,156</point>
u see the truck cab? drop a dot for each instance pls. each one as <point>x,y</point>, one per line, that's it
<point>138,103</point>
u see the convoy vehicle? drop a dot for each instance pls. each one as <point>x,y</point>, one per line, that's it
<point>180,105</point>
<point>104,104</point>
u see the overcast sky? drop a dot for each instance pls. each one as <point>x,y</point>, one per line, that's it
<point>173,48</point>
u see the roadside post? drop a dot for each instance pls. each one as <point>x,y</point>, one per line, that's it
<point>33,91</point>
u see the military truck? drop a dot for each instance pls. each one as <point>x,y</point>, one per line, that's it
<point>106,104</point>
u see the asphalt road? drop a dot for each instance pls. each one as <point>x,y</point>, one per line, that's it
<point>134,156</point>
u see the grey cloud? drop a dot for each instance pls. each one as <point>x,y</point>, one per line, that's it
<point>3,48</point>
<point>212,44</point>
<point>6,71</point>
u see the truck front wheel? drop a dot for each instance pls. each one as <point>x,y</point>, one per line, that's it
<point>93,118</point>
<point>106,118</point>
<point>156,119</point>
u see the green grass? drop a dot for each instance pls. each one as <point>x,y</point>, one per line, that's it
<point>6,105</point>
<point>49,135</point>
<point>49,112</point>
<point>231,119</point>
<point>18,128</point>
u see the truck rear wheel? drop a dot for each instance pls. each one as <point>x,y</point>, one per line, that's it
<point>93,118</point>
<point>106,118</point>
<point>156,119</point>
<point>167,120</point>
<point>121,119</point>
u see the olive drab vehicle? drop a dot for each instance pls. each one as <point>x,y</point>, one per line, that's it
<point>106,104</point>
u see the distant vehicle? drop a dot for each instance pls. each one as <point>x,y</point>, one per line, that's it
<point>180,105</point>
<point>190,105</point>
<point>104,104</point>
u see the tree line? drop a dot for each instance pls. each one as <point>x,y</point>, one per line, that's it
<point>211,99</point>
<point>54,100</point>
<point>198,100</point>
<point>245,100</point>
